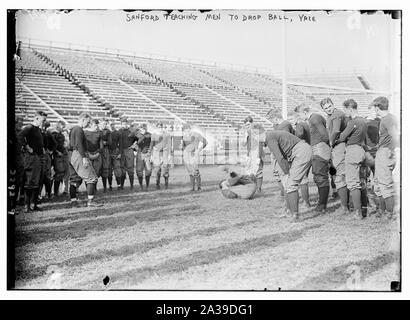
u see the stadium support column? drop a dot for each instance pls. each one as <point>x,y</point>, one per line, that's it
<point>284,70</point>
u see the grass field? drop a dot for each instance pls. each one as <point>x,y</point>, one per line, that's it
<point>176,239</point>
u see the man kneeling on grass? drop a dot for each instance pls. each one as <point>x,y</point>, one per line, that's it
<point>238,186</point>
<point>245,184</point>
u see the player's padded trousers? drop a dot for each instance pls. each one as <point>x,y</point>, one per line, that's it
<point>78,172</point>
<point>301,161</point>
<point>127,162</point>
<point>116,164</point>
<point>60,167</point>
<point>320,164</point>
<point>144,164</point>
<point>97,165</point>
<point>354,160</point>
<point>191,162</point>
<point>106,165</point>
<point>338,160</point>
<point>160,163</point>
<point>383,177</point>
<point>33,170</point>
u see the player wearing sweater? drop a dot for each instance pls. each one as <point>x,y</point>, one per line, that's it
<point>387,156</point>
<point>161,154</point>
<point>302,131</point>
<point>144,166</point>
<point>336,123</point>
<point>193,143</point>
<point>30,139</point>
<point>94,142</point>
<point>319,140</point>
<point>354,136</point>
<point>115,153</point>
<point>254,148</point>
<point>106,167</point>
<point>295,158</point>
<point>278,124</point>
<point>127,139</point>
<point>81,168</point>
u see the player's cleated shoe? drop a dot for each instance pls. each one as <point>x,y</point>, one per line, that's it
<point>320,209</point>
<point>358,214</point>
<point>379,213</point>
<point>93,204</point>
<point>110,188</point>
<point>284,213</point>
<point>296,217</point>
<point>304,205</point>
<point>26,209</point>
<point>158,187</point>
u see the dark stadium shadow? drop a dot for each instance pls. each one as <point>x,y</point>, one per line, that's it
<point>26,273</point>
<point>101,211</point>
<point>135,194</point>
<point>155,194</point>
<point>209,256</point>
<point>339,276</point>
<point>79,229</point>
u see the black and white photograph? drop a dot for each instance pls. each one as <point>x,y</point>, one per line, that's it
<point>204,150</point>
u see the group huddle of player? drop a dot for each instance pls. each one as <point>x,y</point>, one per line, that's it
<point>357,156</point>
<point>50,154</point>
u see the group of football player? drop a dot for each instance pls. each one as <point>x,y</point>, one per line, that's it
<point>353,154</point>
<point>357,156</point>
<point>51,154</point>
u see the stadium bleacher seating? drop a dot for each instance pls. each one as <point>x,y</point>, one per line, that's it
<point>69,82</point>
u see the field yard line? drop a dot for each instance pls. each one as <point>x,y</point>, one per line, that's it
<point>46,215</point>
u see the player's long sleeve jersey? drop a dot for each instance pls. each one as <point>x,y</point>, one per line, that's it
<point>32,136</point>
<point>355,132</point>
<point>281,143</point>
<point>318,132</point>
<point>77,140</point>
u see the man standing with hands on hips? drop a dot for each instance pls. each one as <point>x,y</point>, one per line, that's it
<point>31,140</point>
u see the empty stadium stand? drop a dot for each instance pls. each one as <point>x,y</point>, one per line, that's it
<point>66,82</point>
